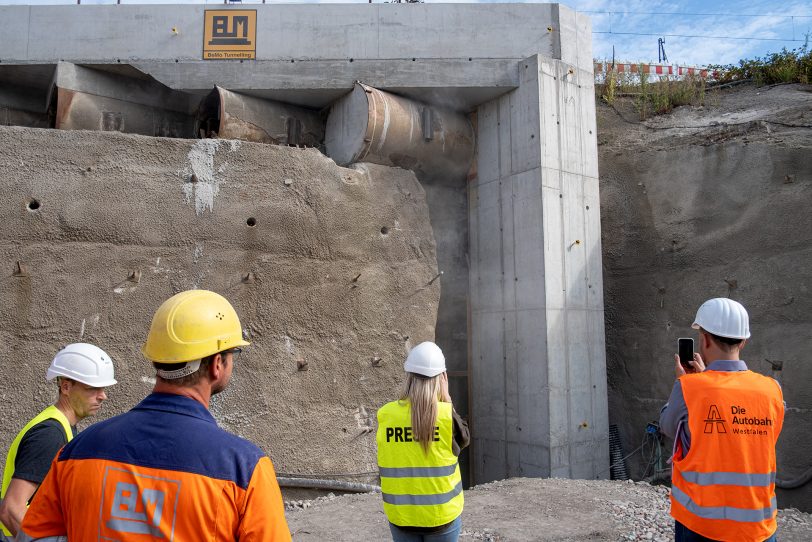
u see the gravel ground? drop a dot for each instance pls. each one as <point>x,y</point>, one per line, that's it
<point>524,509</point>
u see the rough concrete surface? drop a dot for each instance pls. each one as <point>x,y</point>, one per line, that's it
<point>706,202</point>
<point>330,282</point>
<point>524,510</point>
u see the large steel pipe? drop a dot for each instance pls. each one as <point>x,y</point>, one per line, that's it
<point>123,101</point>
<point>370,125</point>
<point>229,115</point>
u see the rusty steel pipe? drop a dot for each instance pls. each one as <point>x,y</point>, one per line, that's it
<point>370,125</point>
<point>230,115</point>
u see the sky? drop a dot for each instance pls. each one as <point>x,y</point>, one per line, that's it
<point>696,32</point>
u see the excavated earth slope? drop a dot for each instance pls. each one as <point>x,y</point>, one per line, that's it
<point>709,201</point>
<point>327,267</point>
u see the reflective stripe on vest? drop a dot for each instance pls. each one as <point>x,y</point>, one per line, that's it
<point>729,479</point>
<point>724,487</point>
<point>440,498</point>
<point>725,512</point>
<point>419,489</point>
<point>50,413</point>
<point>414,472</point>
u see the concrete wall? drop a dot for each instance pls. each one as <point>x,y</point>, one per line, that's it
<point>527,346</point>
<point>538,360</point>
<point>113,206</point>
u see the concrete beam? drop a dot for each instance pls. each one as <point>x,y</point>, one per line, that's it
<point>423,51</point>
<point>317,32</point>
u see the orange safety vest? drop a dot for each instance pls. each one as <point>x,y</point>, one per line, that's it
<point>724,487</point>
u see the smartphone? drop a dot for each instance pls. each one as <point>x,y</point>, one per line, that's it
<point>685,349</point>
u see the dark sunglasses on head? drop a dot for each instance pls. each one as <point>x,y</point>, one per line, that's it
<point>235,352</point>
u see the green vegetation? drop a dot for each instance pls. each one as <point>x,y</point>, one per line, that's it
<point>652,95</point>
<point>657,95</point>
<point>788,66</point>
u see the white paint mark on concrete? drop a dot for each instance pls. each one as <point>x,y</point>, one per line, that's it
<point>199,245</point>
<point>198,280</point>
<point>201,164</point>
<point>82,329</point>
<point>124,288</point>
<point>148,380</point>
<point>288,344</point>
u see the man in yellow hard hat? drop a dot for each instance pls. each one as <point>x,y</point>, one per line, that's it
<point>82,371</point>
<point>165,470</point>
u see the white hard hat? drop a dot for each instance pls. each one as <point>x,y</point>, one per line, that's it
<point>723,317</point>
<point>426,359</point>
<point>84,363</point>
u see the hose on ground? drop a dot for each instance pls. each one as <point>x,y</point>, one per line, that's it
<point>321,483</point>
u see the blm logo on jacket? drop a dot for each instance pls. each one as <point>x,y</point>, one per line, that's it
<point>137,504</point>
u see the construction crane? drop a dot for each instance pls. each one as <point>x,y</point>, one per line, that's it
<point>661,56</point>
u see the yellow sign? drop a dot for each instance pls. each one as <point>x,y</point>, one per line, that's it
<point>230,34</point>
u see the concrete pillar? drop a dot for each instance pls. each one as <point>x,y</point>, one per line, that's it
<point>537,352</point>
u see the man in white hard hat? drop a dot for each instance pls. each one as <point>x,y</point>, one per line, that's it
<point>82,372</point>
<point>729,418</point>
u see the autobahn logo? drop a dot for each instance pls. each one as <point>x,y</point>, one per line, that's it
<point>714,419</point>
<point>229,34</point>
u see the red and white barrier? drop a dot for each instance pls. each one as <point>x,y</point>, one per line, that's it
<point>665,70</point>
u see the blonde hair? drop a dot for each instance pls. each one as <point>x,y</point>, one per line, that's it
<point>423,393</point>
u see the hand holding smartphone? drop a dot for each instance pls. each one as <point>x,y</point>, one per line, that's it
<point>685,350</point>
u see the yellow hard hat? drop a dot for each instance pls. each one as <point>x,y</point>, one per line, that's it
<point>192,325</point>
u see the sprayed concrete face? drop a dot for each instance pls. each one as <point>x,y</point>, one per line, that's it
<point>327,268</point>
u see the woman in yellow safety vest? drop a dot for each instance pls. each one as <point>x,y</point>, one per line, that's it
<point>419,439</point>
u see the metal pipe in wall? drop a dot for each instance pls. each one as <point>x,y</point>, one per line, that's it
<point>231,115</point>
<point>370,125</point>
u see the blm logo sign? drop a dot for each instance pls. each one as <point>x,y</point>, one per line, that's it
<point>230,34</point>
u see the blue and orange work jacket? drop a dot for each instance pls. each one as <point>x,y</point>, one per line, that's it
<point>162,472</point>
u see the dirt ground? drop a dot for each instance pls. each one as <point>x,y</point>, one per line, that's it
<point>524,509</point>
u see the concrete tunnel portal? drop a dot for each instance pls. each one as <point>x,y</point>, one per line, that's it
<point>500,133</point>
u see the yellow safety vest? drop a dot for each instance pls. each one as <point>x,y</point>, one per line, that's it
<point>50,413</point>
<point>419,489</point>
